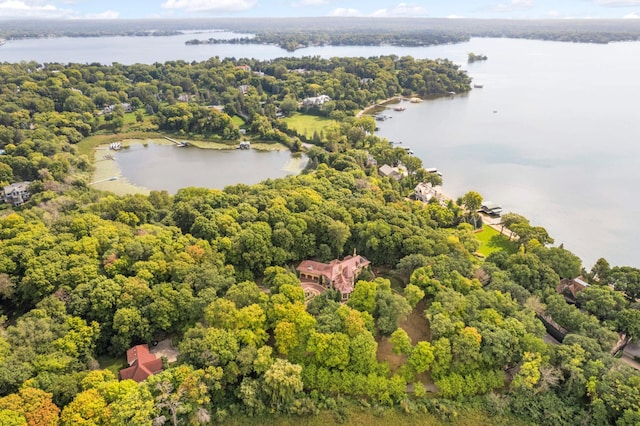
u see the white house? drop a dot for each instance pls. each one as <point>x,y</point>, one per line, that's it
<point>315,101</point>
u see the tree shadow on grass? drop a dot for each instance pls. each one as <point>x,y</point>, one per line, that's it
<point>501,242</point>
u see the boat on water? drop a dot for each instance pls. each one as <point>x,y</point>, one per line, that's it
<point>399,109</point>
<point>182,144</point>
<point>116,146</point>
<point>2,41</point>
<point>409,150</point>
<point>434,170</point>
<point>415,100</point>
<point>478,86</point>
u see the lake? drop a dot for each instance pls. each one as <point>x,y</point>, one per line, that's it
<point>552,135</point>
<point>561,147</point>
<point>168,167</point>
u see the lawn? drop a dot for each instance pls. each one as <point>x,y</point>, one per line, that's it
<point>238,121</point>
<point>112,364</point>
<point>307,124</point>
<point>491,241</point>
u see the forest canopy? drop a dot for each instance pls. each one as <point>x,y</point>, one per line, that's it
<point>430,327</point>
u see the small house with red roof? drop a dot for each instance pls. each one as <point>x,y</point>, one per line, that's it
<point>142,364</point>
<point>338,274</point>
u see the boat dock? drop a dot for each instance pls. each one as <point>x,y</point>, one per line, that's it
<point>178,143</point>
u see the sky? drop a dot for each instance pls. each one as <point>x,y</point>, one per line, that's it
<point>139,9</point>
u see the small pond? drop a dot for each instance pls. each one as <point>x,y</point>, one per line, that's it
<point>169,167</point>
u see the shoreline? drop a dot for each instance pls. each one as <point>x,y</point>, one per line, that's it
<point>381,104</point>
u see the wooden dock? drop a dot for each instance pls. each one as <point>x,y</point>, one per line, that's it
<point>178,143</point>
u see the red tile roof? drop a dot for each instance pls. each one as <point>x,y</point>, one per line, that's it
<point>142,364</point>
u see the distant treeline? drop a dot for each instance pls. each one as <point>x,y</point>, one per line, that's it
<point>300,32</point>
<point>292,40</point>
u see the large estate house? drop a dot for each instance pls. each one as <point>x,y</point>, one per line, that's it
<point>17,193</point>
<point>315,101</point>
<point>142,364</point>
<point>338,274</point>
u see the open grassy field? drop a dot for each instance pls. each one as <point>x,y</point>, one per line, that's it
<point>491,241</point>
<point>307,124</point>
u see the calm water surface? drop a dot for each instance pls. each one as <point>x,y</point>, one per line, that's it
<point>553,135</point>
<point>171,168</point>
<point>561,147</point>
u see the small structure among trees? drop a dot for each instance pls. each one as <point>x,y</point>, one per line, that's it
<point>142,364</point>
<point>338,274</point>
<point>570,288</point>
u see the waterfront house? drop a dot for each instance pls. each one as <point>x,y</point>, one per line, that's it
<point>338,274</point>
<point>244,68</point>
<point>142,364</point>
<point>570,288</point>
<point>424,192</point>
<point>396,173</point>
<point>17,193</point>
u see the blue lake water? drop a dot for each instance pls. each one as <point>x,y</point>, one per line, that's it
<point>553,134</point>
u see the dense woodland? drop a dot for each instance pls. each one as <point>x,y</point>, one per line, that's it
<point>84,275</point>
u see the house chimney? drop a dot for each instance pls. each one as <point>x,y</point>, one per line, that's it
<point>354,252</point>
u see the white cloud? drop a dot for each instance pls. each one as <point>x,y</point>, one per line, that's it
<point>107,14</point>
<point>617,3</point>
<point>342,11</point>
<point>513,5</point>
<point>210,5</point>
<point>632,15</point>
<point>302,3</point>
<point>402,9</point>
<point>27,9</point>
<point>39,9</point>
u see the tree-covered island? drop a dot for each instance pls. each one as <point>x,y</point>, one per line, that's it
<point>439,322</point>
<point>474,57</point>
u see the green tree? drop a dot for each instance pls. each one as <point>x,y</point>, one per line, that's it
<point>283,381</point>
<point>401,342</point>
